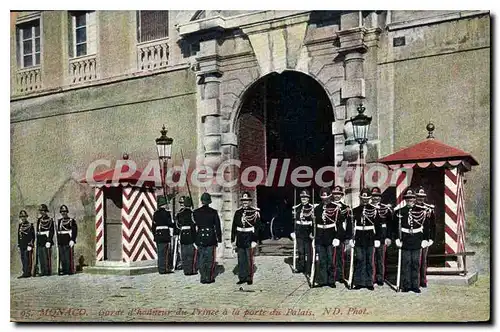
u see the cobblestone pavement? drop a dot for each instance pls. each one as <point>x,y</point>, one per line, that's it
<point>277,295</point>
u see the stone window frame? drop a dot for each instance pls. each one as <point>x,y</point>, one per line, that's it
<point>21,26</point>
<point>139,38</point>
<point>90,31</point>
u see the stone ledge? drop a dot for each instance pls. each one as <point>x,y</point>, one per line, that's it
<point>456,280</point>
<point>130,271</point>
<point>436,19</point>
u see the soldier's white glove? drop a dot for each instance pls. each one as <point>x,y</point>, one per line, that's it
<point>399,243</point>
<point>29,248</point>
<point>335,242</point>
<point>195,246</point>
<point>430,243</point>
<point>352,243</point>
<point>233,244</point>
<point>171,230</point>
<point>292,235</point>
<point>376,243</point>
<point>253,244</point>
<point>71,243</point>
<point>311,236</point>
<point>388,242</point>
<point>425,244</point>
<point>47,245</point>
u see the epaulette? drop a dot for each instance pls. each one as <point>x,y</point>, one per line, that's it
<point>296,206</point>
<point>315,205</point>
<point>429,205</point>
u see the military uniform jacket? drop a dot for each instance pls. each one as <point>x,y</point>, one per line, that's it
<point>413,228</point>
<point>162,224</point>
<point>45,231</point>
<point>209,229</point>
<point>245,223</point>
<point>365,227</point>
<point>303,216</point>
<point>345,217</point>
<point>431,221</point>
<point>186,225</point>
<point>385,219</point>
<point>66,231</point>
<point>25,235</point>
<point>327,223</point>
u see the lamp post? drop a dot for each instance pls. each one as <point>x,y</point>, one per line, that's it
<point>164,149</point>
<point>361,125</point>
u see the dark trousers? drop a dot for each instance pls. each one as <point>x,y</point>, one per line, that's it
<point>45,260</point>
<point>380,263</point>
<point>245,264</point>
<point>67,259</point>
<point>363,269</point>
<point>206,263</point>
<point>326,271</point>
<point>340,259</point>
<point>423,267</point>
<point>164,264</point>
<point>27,261</point>
<point>189,259</point>
<point>304,253</point>
<point>410,268</point>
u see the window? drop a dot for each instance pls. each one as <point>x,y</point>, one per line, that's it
<point>152,25</point>
<point>28,41</point>
<point>83,33</point>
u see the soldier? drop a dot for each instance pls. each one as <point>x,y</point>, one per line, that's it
<point>189,250</point>
<point>244,238</point>
<point>45,240</point>
<point>364,235</point>
<point>411,237</point>
<point>208,235</point>
<point>175,245</point>
<point>345,216</point>
<point>25,243</point>
<point>67,232</point>
<point>163,229</point>
<point>303,216</point>
<point>384,212</point>
<point>328,232</point>
<point>431,223</point>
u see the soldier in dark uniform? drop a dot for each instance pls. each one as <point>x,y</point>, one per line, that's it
<point>67,231</point>
<point>189,250</point>
<point>25,243</point>
<point>328,232</point>
<point>208,235</point>
<point>163,229</point>
<point>45,240</point>
<point>244,237</point>
<point>385,217</point>
<point>345,217</point>
<point>364,237</point>
<point>411,235</point>
<point>430,221</point>
<point>303,216</point>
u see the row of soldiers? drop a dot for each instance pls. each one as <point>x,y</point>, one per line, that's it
<point>38,242</point>
<point>324,232</point>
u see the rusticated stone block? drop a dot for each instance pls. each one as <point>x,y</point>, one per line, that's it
<point>353,88</point>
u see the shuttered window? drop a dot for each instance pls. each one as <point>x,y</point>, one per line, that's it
<point>84,34</point>
<point>28,41</point>
<point>152,25</point>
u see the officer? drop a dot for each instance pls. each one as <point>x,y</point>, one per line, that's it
<point>208,235</point>
<point>25,243</point>
<point>327,235</point>
<point>67,231</point>
<point>45,240</point>
<point>364,233</point>
<point>163,229</point>
<point>411,237</point>
<point>345,216</point>
<point>385,217</point>
<point>189,250</point>
<point>244,237</point>
<point>303,217</point>
<point>430,221</point>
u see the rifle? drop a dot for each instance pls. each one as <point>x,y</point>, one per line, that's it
<point>187,182</point>
<point>311,277</point>
<point>294,230</point>
<point>351,264</point>
<point>398,280</point>
<point>56,231</point>
<point>34,267</point>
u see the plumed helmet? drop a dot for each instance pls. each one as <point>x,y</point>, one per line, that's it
<point>365,193</point>
<point>63,208</point>
<point>188,202</point>
<point>304,193</point>
<point>246,196</point>
<point>338,190</point>
<point>206,198</point>
<point>162,201</point>
<point>410,193</point>
<point>23,213</point>
<point>376,191</point>
<point>44,208</point>
<point>421,192</point>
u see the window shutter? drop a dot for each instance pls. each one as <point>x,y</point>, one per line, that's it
<point>71,31</point>
<point>153,25</point>
<point>91,33</point>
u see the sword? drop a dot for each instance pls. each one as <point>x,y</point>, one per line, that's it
<point>311,277</point>
<point>351,264</point>
<point>56,228</point>
<point>398,280</point>
<point>294,230</point>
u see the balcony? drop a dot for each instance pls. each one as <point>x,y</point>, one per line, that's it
<point>152,55</point>
<point>28,80</point>
<point>83,69</point>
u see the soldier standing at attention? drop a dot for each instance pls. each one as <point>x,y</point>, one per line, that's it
<point>67,232</point>
<point>385,217</point>
<point>208,235</point>
<point>45,240</point>
<point>345,217</point>
<point>430,221</point>
<point>189,250</point>
<point>244,237</point>
<point>303,217</point>
<point>411,237</point>
<point>163,229</point>
<point>25,243</point>
<point>364,237</point>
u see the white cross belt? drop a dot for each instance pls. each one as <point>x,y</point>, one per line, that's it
<point>163,227</point>
<point>245,229</point>
<point>365,228</point>
<point>325,226</point>
<point>414,230</point>
<point>306,223</point>
<point>185,227</point>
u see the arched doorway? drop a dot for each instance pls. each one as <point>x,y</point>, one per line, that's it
<point>282,116</point>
